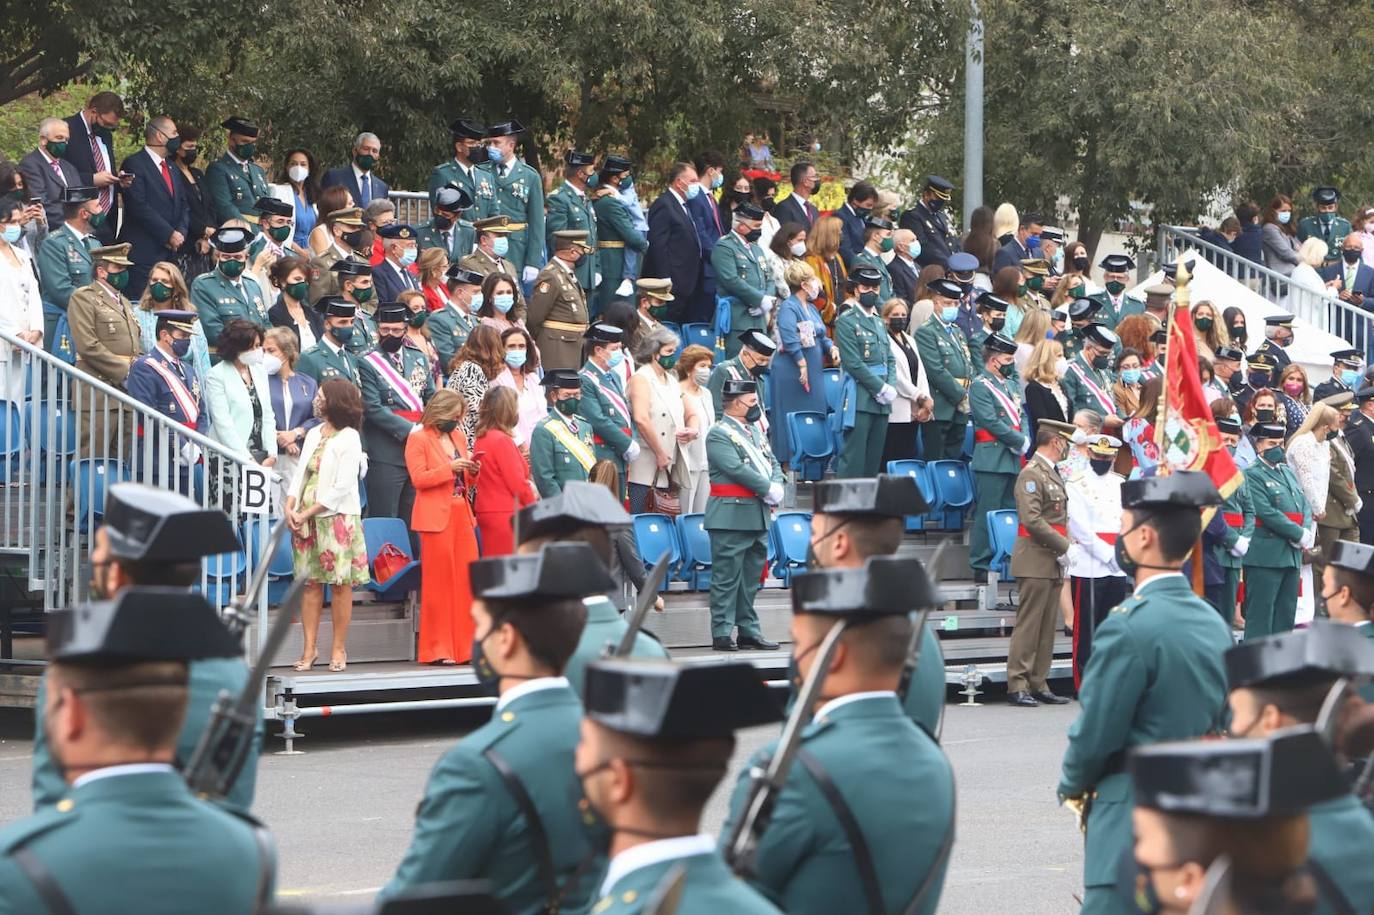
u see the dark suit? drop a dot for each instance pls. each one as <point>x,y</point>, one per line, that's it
<point>674,250</point>
<point>1342,324</point>
<point>390,281</point>
<point>932,230</point>
<point>41,181</point>
<point>791,210</point>
<point>1010,255</point>
<point>706,216</point>
<point>348,179</point>
<point>79,154</point>
<point>280,317</point>
<point>151,215</point>
<point>1359,435</point>
<point>903,280</point>
<point>851,234</point>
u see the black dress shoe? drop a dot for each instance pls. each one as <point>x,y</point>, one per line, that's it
<point>1022,698</point>
<point>757,642</point>
<point>1050,698</point>
<point>723,643</point>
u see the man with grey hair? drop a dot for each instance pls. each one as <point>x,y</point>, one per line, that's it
<point>357,175</point>
<point>46,173</point>
<point>157,211</point>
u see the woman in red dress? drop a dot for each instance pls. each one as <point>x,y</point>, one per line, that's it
<point>506,485</point>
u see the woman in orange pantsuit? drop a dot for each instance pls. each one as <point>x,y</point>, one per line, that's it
<point>506,485</point>
<point>441,471</point>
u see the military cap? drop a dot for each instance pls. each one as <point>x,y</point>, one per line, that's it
<point>1282,774</point>
<point>1083,308</point>
<point>566,379</point>
<point>1347,356</point>
<point>878,222</point>
<point>1063,430</point>
<point>1229,425</point>
<point>181,320</point>
<point>1104,445</point>
<point>884,586</point>
<point>1353,557</point>
<point>231,240</point>
<point>939,186</point>
<point>999,343</point>
<point>580,504</point>
<point>1101,335</point>
<point>1170,271</point>
<point>962,262</point>
<point>348,216</point>
<point>1060,314</point>
<point>505,128</point>
<point>558,570</point>
<point>392,313</point>
<point>1159,289</point>
<point>147,524</point>
<point>885,496</point>
<point>240,126</point>
<point>1230,354</point>
<point>1186,488</point>
<point>570,238</point>
<point>335,306</point>
<point>990,301</point>
<point>463,276</point>
<point>748,210</point>
<point>946,289</point>
<point>1345,400</point>
<point>79,194</point>
<point>605,333</point>
<point>758,341</point>
<point>1279,320</point>
<point>351,266</point>
<point>271,206</point>
<point>1262,361</point>
<point>141,624</point>
<point>398,230</point>
<point>1116,263</point>
<point>1326,195</point>
<point>655,288</point>
<point>663,700</point>
<point>1323,651</point>
<point>467,129</point>
<point>1365,393</point>
<point>1268,430</point>
<point>615,164</point>
<point>864,275</point>
<point>498,225</point>
<point>1035,266</point>
<point>1053,234</point>
<point>734,387</point>
<point>1159,337</point>
<point>117,254</point>
<point>577,159</point>
<point>451,198</point>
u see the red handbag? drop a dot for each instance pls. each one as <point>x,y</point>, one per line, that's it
<point>390,560</point>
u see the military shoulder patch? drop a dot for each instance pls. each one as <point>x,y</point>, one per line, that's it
<point>1030,486</point>
<point>543,287</point>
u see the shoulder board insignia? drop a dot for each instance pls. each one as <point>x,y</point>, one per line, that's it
<point>543,287</point>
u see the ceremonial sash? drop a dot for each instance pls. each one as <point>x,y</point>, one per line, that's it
<point>1295,517</point>
<point>616,400</point>
<point>1012,407</point>
<point>761,463</point>
<point>575,445</point>
<point>732,491</point>
<point>395,381</point>
<point>1103,398</point>
<point>178,388</point>
<point>1233,519</point>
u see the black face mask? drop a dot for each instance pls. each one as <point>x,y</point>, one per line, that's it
<point>753,235</point>
<point>1123,559</point>
<point>753,414</point>
<point>1080,263</point>
<point>1101,466</point>
<point>741,196</point>
<point>997,324</point>
<point>1264,416</point>
<point>1238,334</point>
<point>391,344</point>
<point>1351,256</point>
<point>442,223</point>
<point>1259,379</point>
<point>447,426</point>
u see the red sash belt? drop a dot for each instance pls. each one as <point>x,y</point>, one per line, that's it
<point>1295,517</point>
<point>733,490</point>
<point>598,440</point>
<point>982,435</point>
<point>411,415</point>
<point>1057,528</point>
<point>1233,520</point>
<point>1106,537</point>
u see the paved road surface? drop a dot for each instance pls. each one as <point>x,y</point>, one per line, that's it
<point>342,811</point>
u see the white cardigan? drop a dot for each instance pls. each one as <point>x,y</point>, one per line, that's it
<point>341,467</point>
<point>1311,463</point>
<point>907,389</point>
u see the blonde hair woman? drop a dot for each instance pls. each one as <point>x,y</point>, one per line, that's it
<point>1305,277</point>
<point>823,255</point>
<point>1034,329</point>
<point>1309,454</point>
<point>1295,396</point>
<point>1045,398</point>
<point>1209,330</point>
<point>1005,223</point>
<point>167,289</point>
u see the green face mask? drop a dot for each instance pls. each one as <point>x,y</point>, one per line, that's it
<point>1115,287</point>
<point>1035,282</point>
<point>1006,369</point>
<point>279,233</point>
<point>1078,292</point>
<point>232,269</point>
<point>161,292</point>
<point>365,162</point>
<point>362,294</point>
<point>668,361</point>
<point>569,406</point>
<point>245,150</point>
<point>118,280</point>
<point>419,318</point>
<point>298,291</point>
<point>98,220</point>
<point>658,311</point>
<point>1203,324</point>
<point>886,245</point>
<point>57,150</point>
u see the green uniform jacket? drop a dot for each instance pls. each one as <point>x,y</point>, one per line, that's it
<point>1078,386</point>
<point>991,414</point>
<point>519,195</point>
<point>207,678</point>
<point>1238,503</point>
<point>976,341</point>
<point>612,430</point>
<point>385,432</point>
<point>1111,314</point>
<point>805,861</point>
<point>234,188</point>
<point>606,626</point>
<point>866,355</point>
<point>451,172</point>
<point>552,464</point>
<point>322,362</point>
<point>615,232</point>
<point>64,266</point>
<point>569,209</point>
<point>1333,235</point>
<point>468,825</point>
<point>866,258</point>
<point>1072,344</point>
<point>1274,493</point>
<point>139,842</point>
<point>219,301</point>
<point>925,698</point>
<point>364,339</point>
<point>1155,674</point>
<point>708,888</point>
<point>944,352</point>
<point>731,370</point>
<point>1342,831</point>
<point>462,237</point>
<point>448,331</point>
<point>741,275</point>
<point>729,463</point>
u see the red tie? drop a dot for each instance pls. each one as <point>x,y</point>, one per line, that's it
<point>167,179</point>
<point>98,159</point>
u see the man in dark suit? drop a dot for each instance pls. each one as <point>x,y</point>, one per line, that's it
<point>1019,247</point>
<point>674,246</point>
<point>157,213</point>
<point>90,147</point>
<point>392,276</point>
<point>798,207</point>
<point>357,175</point>
<point>46,173</point>
<point>853,216</point>
<point>705,213</point>
<point>903,267</point>
<point>1356,289</point>
<point>931,224</point>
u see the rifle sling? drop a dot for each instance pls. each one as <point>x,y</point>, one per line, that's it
<point>44,882</point>
<point>540,838</point>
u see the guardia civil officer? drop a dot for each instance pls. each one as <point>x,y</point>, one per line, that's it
<point>1155,671</point>
<point>656,741</point>
<point>1238,514</point>
<point>569,206</point>
<point>1283,529</point>
<point>502,803</point>
<point>1281,681</point>
<point>949,368</point>
<point>866,357</point>
<point>510,187</point>
<point>586,513</point>
<point>224,293</point>
<point>604,404</point>
<point>561,444</point>
<point>463,169</point>
<point>853,520</point>
<point>1348,589</point>
<point>1328,225</point>
<point>836,842</point>
<point>749,363</point>
<point>234,181</point>
<point>998,443</point>
<point>1116,275</point>
<point>1088,382</point>
<point>330,357</point>
<point>152,537</point>
<point>129,836</point>
<point>396,383</point>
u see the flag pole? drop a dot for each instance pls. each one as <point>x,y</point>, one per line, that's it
<point>1182,299</point>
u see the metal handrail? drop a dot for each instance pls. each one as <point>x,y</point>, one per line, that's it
<point>412,207</point>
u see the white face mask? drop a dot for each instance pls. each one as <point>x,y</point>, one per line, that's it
<point>251,357</point>
<point>1061,366</point>
<point>798,248</point>
<point>298,173</point>
<point>813,288</point>
<point>701,375</point>
<point>270,364</point>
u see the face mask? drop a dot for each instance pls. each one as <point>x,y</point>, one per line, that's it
<point>279,234</point>
<point>741,196</point>
<point>251,357</point>
<point>896,325</point>
<point>365,162</point>
<point>389,344</point>
<point>181,347</point>
<point>1080,263</point>
<point>297,291</point>
<point>447,426</point>
<point>13,233</point>
<point>693,190</point>
<point>813,288</point>
<point>1032,241</point>
<point>1058,259</point>
<point>1203,324</point>
<point>1264,416</point>
<point>1135,885</point>
<point>407,257</point>
<point>1349,377</point>
<point>1130,376</point>
<point>753,413</point>
<point>442,223</point>
<point>753,235</point>
<point>614,358</point>
<point>717,181</point>
<point>419,318</point>
<point>189,155</point>
<point>1273,455</point>
<point>1115,287</point>
<point>863,211</point>
<point>1292,388</point>
<point>626,183</point>
<point>1284,216</point>
<point>758,370</point>
<point>1061,366</point>
<point>494,154</point>
<point>1351,256</point>
<point>668,361</point>
<point>886,245</point>
<point>569,406</point>
<point>515,358</point>
<point>949,314</point>
<point>500,246</point>
<point>1331,434</point>
<point>57,150</point>
<point>1078,292</point>
<point>477,300</point>
<point>488,680</point>
<point>270,364</point>
<point>353,239</point>
<point>342,335</point>
<point>997,324</point>
<point>232,269</point>
<point>1101,362</point>
<point>118,280</point>
<point>701,376</point>
<point>1006,369</point>
<point>869,300</point>
<point>98,219</point>
<point>298,173</point>
<point>502,301</point>
<point>245,150</point>
<point>1036,283</point>
<point>915,252</point>
<point>1100,466</point>
<point>362,294</point>
<point>798,248</point>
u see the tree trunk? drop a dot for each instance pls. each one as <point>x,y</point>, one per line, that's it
<point>1091,221</point>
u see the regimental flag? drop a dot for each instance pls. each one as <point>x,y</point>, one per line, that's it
<point>1190,439</point>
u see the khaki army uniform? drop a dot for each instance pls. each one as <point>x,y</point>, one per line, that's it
<point>1342,503</point>
<point>558,317</point>
<point>323,280</point>
<point>106,337</point>
<point>1042,506</point>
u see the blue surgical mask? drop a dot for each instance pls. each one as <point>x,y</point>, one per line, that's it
<point>407,257</point>
<point>500,246</point>
<point>477,300</point>
<point>1130,376</point>
<point>949,314</point>
<point>615,358</point>
<point>693,190</point>
<point>13,233</point>
<point>515,358</point>
<point>717,181</point>
<point>915,249</point>
<point>494,154</point>
<point>1284,215</point>
<point>1058,258</point>
<point>1349,377</point>
<point>1032,241</point>
<point>503,301</point>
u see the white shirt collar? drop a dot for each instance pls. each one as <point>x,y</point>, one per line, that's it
<point>800,199</point>
<point>329,342</point>
<point>680,199</point>
<point>531,686</point>
<point>157,160</point>
<point>230,154</point>
<point>576,189</point>
<point>841,701</point>
<point>46,156</point>
<point>358,173</point>
<point>1154,578</point>
<point>115,771</point>
<point>651,853</point>
<point>565,265</point>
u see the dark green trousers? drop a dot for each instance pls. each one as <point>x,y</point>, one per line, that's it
<point>862,454</point>
<point>1271,600</point>
<point>737,560</point>
<point>944,439</point>
<point>995,492</point>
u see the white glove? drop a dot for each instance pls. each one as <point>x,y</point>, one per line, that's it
<point>1073,556</point>
<point>1359,505</point>
<point>632,452</point>
<point>597,280</point>
<point>886,394</point>
<point>625,288</point>
<point>1309,538</point>
<point>189,453</point>
<point>1241,548</point>
<point>767,303</point>
<point>774,496</point>
<point>529,273</point>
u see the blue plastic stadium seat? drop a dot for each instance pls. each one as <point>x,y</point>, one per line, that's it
<point>676,330</point>
<point>696,550</point>
<point>378,532</point>
<point>954,482</point>
<point>967,452</point>
<point>11,439</point>
<point>919,471</point>
<point>89,478</point>
<point>1002,527</point>
<point>42,420</point>
<point>281,565</point>
<point>700,334</point>
<point>792,535</point>
<point>834,389</point>
<point>655,534</point>
<point>224,577</point>
<point>812,447</point>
